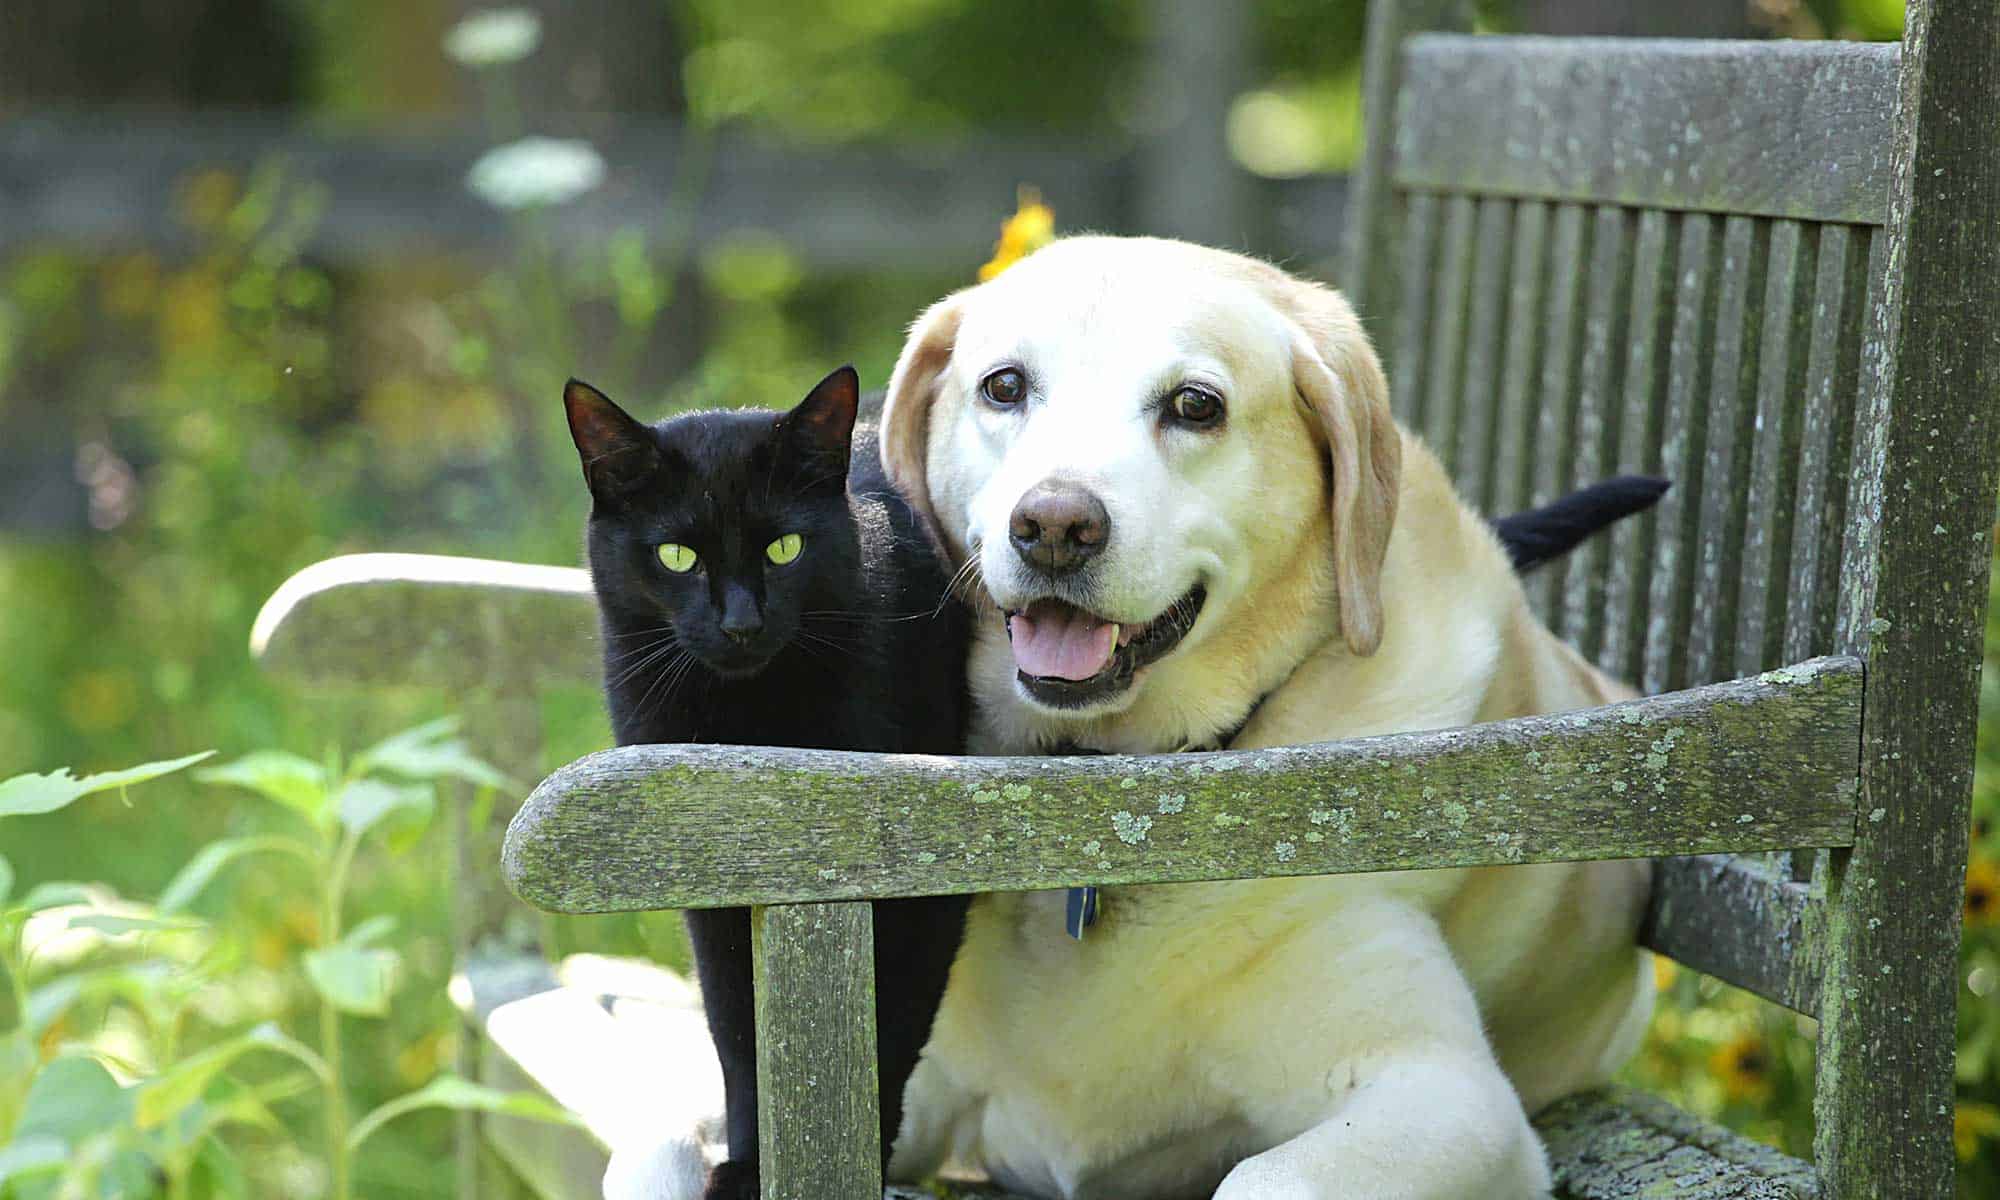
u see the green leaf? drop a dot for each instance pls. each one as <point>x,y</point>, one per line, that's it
<point>202,869</point>
<point>365,802</point>
<point>430,752</point>
<point>71,1099</point>
<point>297,783</point>
<point>353,978</point>
<point>449,1091</point>
<point>371,931</point>
<point>180,1086</point>
<point>217,1174</point>
<point>113,924</point>
<point>55,895</point>
<point>32,1154</point>
<point>24,795</point>
<point>6,879</point>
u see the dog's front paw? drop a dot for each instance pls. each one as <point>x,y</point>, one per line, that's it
<point>732,1181</point>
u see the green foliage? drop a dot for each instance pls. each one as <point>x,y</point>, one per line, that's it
<point>117,1076</point>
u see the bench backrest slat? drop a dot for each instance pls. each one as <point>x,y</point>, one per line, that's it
<point>1798,130</point>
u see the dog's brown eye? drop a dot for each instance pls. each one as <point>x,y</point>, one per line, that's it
<point>1005,387</point>
<point>1197,406</point>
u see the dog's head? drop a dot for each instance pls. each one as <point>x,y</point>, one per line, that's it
<point>1128,435</point>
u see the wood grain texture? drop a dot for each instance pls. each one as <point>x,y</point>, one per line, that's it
<point>1885,1089</point>
<point>1486,330</point>
<point>1840,292</point>
<point>1711,635</point>
<point>1782,129</point>
<point>1682,449</point>
<point>1419,224</point>
<point>1629,555</point>
<point>1762,564</point>
<point>1375,235</point>
<point>1732,918</point>
<point>1621,1144</point>
<point>1599,410</point>
<point>818,1119</point>
<point>1555,431</point>
<point>1515,451</point>
<point>1444,368</point>
<point>1756,764</point>
<point>429,620</point>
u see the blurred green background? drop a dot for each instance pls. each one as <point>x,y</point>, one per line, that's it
<point>281,280</point>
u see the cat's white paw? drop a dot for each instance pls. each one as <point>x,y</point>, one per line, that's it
<point>673,1168</point>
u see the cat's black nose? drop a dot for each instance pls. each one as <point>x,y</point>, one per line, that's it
<point>1058,526</point>
<point>742,620</point>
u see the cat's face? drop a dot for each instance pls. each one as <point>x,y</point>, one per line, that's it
<point>723,530</point>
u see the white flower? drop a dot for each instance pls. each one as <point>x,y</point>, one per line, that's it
<point>494,36</point>
<point>536,171</point>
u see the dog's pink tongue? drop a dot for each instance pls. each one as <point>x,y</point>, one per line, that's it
<point>1059,641</point>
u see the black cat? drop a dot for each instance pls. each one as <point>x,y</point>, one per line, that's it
<point>759,583</point>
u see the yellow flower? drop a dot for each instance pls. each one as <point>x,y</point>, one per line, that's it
<point>1744,1066</point>
<point>1972,1124</point>
<point>1032,226</point>
<point>1664,969</point>
<point>1982,892</point>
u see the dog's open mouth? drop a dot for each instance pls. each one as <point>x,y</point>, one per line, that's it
<point>1068,657</point>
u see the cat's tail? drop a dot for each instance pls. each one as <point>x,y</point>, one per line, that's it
<point>1540,535</point>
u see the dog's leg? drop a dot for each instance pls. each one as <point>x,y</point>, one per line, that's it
<point>1365,1062</point>
<point>1442,1128</point>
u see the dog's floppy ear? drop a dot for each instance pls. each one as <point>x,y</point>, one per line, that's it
<point>1339,378</point>
<point>906,409</point>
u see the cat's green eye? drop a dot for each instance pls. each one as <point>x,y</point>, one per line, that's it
<point>676,558</point>
<point>785,549</point>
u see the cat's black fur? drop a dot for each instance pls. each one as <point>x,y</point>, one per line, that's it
<point>852,646</point>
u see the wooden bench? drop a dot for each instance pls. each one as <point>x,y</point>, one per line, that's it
<point>1768,271</point>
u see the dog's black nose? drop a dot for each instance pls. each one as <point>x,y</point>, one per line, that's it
<point>1058,526</point>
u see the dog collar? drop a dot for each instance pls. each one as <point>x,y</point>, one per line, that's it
<point>1080,907</point>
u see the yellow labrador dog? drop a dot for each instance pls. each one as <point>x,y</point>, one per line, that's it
<point>1188,517</point>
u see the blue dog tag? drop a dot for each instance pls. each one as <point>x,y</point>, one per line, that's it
<point>1081,912</point>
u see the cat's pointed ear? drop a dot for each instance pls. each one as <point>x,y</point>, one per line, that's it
<point>823,422</point>
<point>618,452</point>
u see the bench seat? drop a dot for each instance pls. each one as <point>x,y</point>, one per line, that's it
<point>622,1044</point>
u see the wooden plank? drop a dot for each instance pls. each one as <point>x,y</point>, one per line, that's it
<point>1419,277</point>
<point>1732,918</point>
<point>1620,1143</point>
<point>1859,541</point>
<point>1825,431</point>
<point>428,620</point>
<point>819,1120</point>
<point>1683,447</point>
<point>1555,433</point>
<point>1629,552</point>
<point>1525,333</point>
<point>1445,354</point>
<point>1885,1088</point>
<point>1375,234</point>
<point>1782,129</point>
<point>1763,763</point>
<point>1763,563</point>
<point>1606,320</point>
<point>1726,447</point>
<point>1479,388</point>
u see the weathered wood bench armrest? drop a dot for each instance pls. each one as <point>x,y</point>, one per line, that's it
<point>429,620</point>
<point>1764,763</point>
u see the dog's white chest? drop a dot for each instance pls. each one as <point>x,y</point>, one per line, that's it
<point>1193,1026</point>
